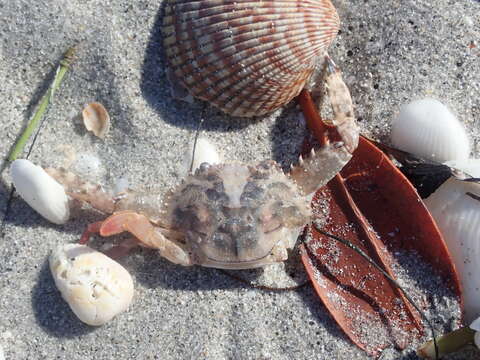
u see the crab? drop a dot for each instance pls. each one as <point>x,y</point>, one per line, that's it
<point>231,215</point>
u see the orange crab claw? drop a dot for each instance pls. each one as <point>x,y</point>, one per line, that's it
<point>117,223</point>
<point>385,214</point>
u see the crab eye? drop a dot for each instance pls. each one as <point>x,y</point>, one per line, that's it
<point>204,166</point>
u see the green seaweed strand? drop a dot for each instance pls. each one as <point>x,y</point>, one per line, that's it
<point>32,125</point>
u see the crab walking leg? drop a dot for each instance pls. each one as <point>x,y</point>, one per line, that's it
<point>82,190</point>
<point>149,236</point>
<point>342,106</point>
<point>320,167</point>
<point>117,251</point>
<point>91,229</point>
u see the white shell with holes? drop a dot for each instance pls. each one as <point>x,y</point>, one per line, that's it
<point>96,287</point>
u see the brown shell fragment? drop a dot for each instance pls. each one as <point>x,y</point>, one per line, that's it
<point>96,119</point>
<point>247,57</point>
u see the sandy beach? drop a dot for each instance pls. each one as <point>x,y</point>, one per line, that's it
<point>391,52</point>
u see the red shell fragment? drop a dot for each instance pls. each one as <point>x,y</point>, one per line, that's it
<point>373,205</point>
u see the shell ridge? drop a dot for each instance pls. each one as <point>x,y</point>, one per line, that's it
<point>296,32</point>
<point>274,78</point>
<point>195,7</point>
<point>286,55</point>
<point>293,84</point>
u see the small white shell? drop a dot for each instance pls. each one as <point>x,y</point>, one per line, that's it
<point>475,325</point>
<point>205,152</point>
<point>458,218</point>
<point>96,119</point>
<point>470,166</point>
<point>40,191</point>
<point>426,128</point>
<point>95,287</point>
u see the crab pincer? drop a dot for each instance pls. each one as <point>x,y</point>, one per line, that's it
<point>372,205</point>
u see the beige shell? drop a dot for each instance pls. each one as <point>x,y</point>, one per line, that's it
<point>96,119</point>
<point>247,57</point>
<point>95,287</point>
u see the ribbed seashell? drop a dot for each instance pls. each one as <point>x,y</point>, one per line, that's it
<point>247,57</point>
<point>95,287</point>
<point>428,129</point>
<point>39,190</point>
<point>457,213</point>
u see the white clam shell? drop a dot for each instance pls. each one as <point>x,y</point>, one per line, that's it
<point>95,287</point>
<point>428,129</point>
<point>246,58</point>
<point>205,152</point>
<point>458,218</point>
<point>475,325</point>
<point>40,191</point>
<point>469,166</point>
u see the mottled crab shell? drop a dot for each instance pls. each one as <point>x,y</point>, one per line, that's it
<point>247,57</point>
<point>236,214</point>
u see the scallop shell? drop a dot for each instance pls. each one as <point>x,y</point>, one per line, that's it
<point>95,287</point>
<point>40,191</point>
<point>96,119</point>
<point>457,215</point>
<point>428,129</point>
<point>247,57</point>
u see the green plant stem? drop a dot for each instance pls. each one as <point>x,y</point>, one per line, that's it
<point>448,343</point>
<point>32,125</point>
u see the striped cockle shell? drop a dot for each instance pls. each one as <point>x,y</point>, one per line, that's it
<point>246,57</point>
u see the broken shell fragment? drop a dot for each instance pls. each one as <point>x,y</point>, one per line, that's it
<point>469,167</point>
<point>96,119</point>
<point>246,57</point>
<point>428,129</point>
<point>455,206</point>
<point>95,287</point>
<point>475,325</point>
<point>40,191</point>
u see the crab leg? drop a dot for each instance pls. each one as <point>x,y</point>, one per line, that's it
<point>338,141</point>
<point>91,229</point>
<point>322,165</point>
<point>82,190</point>
<point>342,106</point>
<point>148,236</point>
